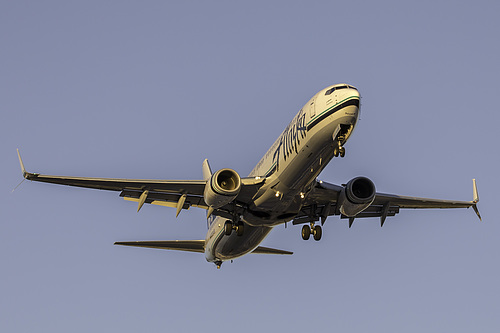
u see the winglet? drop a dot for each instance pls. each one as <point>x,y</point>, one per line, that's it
<point>476,199</point>
<point>477,211</point>
<point>25,174</point>
<point>476,196</point>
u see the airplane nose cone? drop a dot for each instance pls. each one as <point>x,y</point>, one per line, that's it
<point>342,101</point>
<point>346,92</point>
<point>352,92</point>
<point>351,101</point>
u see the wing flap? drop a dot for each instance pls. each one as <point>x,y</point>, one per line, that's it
<point>178,245</point>
<point>165,199</point>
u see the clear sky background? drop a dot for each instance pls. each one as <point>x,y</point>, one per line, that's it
<point>148,89</point>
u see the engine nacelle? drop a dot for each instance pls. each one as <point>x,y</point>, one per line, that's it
<point>357,195</point>
<point>222,188</point>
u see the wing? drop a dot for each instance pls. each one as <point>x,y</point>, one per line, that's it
<point>322,202</point>
<point>180,194</point>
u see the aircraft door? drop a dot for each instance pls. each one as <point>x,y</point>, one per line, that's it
<point>312,107</point>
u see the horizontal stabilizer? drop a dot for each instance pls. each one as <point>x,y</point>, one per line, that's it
<point>268,250</point>
<point>179,245</point>
<point>192,246</point>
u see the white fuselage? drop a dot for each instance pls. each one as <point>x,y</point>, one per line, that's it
<point>290,167</point>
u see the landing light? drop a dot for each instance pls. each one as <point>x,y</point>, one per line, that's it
<point>277,193</point>
<point>301,195</point>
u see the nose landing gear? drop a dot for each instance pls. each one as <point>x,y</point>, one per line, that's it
<point>313,229</point>
<point>338,150</point>
<point>340,136</point>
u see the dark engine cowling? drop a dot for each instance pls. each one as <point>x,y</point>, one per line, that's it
<point>222,188</point>
<point>356,196</point>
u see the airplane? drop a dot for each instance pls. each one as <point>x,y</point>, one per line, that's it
<point>282,187</point>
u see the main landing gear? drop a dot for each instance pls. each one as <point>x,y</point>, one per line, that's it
<point>313,229</point>
<point>338,150</point>
<point>230,226</point>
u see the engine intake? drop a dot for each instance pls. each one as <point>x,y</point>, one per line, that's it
<point>357,195</point>
<point>222,188</point>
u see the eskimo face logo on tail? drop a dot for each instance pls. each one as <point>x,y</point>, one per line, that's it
<point>289,141</point>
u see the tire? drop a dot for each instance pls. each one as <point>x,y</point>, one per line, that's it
<point>317,232</point>
<point>240,229</point>
<point>306,232</point>
<point>228,228</point>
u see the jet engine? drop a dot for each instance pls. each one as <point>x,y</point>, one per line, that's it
<point>357,195</point>
<point>222,188</point>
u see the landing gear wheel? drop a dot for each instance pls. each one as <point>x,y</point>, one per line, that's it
<point>306,232</point>
<point>317,232</point>
<point>342,152</point>
<point>338,149</point>
<point>240,228</point>
<point>228,228</point>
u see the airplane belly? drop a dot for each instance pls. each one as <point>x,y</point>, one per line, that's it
<point>234,246</point>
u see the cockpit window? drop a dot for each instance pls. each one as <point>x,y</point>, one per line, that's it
<point>329,91</point>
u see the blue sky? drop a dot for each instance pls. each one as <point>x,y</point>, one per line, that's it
<point>149,89</point>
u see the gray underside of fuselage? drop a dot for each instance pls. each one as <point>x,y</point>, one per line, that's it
<point>234,246</point>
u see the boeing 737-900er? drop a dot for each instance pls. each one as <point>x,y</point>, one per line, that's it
<point>282,187</point>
